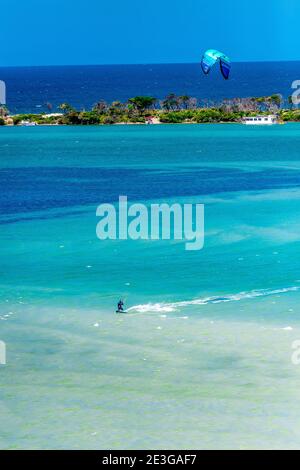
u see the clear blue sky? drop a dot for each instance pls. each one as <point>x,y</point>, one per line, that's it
<point>41,32</point>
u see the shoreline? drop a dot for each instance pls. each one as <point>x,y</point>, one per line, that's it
<point>127,124</point>
<point>145,124</point>
<point>148,110</point>
<point>137,123</point>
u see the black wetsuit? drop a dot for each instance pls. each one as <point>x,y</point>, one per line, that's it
<point>120,306</point>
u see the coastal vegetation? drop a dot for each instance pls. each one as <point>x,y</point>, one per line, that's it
<point>147,109</point>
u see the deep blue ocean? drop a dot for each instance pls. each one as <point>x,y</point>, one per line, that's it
<point>30,88</point>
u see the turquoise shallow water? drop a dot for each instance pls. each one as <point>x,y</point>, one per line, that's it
<point>203,359</point>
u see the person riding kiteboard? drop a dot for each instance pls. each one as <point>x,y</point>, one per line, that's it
<point>120,306</point>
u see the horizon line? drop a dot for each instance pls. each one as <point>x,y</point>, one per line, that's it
<point>143,63</point>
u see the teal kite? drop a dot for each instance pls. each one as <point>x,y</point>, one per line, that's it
<point>211,57</point>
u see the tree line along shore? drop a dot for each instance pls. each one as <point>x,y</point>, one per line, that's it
<point>149,110</point>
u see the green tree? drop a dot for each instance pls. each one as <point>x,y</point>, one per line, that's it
<point>276,99</point>
<point>100,107</point>
<point>3,111</point>
<point>66,108</point>
<point>171,102</point>
<point>141,103</point>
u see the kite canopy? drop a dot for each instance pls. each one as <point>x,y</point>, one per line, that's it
<point>211,57</point>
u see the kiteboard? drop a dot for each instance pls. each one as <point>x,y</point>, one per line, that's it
<point>121,311</point>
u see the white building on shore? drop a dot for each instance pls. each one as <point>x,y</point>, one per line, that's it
<point>261,120</point>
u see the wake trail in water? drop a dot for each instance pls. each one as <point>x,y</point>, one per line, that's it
<point>174,306</point>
